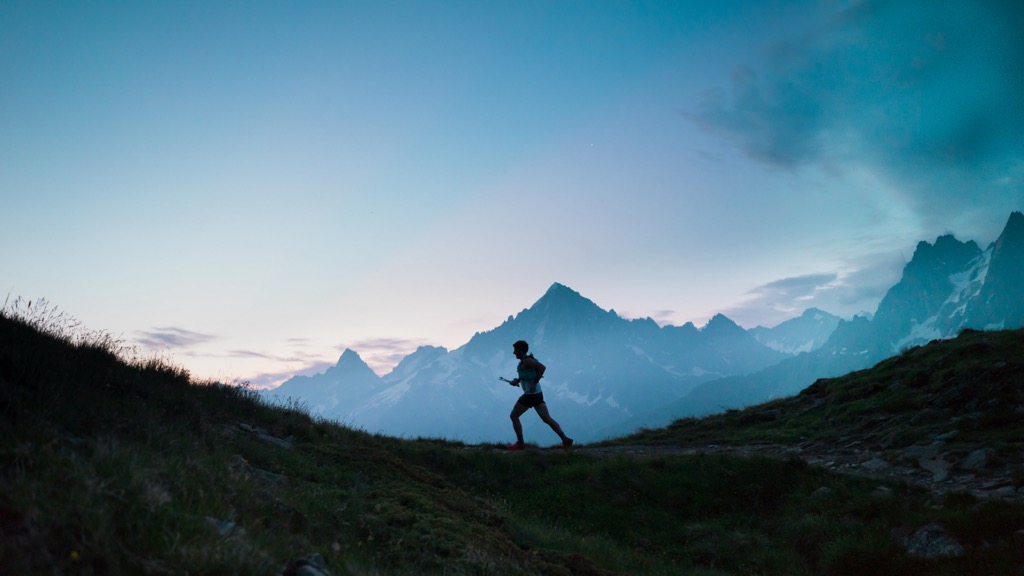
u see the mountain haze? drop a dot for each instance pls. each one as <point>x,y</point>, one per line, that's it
<point>608,375</point>
<point>603,370</point>
<point>807,332</point>
<point>348,383</point>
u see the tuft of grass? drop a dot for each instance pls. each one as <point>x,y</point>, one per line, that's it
<point>867,552</point>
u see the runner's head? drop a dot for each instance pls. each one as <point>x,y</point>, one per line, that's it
<point>520,348</point>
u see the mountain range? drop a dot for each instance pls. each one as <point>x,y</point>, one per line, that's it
<point>602,370</point>
<point>608,375</point>
<point>946,287</point>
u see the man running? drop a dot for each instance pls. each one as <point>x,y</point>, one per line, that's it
<point>530,372</point>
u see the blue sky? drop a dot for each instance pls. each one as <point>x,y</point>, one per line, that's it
<point>252,187</point>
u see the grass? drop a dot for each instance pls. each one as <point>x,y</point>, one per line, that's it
<point>972,385</point>
<point>113,464</point>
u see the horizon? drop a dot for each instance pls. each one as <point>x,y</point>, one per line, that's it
<point>390,368</point>
<point>254,189</point>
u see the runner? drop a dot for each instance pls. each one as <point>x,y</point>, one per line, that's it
<point>530,372</point>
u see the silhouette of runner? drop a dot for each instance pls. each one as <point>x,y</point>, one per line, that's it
<point>530,372</point>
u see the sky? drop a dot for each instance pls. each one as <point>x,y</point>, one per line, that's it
<point>250,188</point>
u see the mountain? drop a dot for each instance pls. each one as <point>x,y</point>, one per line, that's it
<point>348,383</point>
<point>807,332</point>
<point>608,375</point>
<point>946,287</point>
<point>998,302</point>
<point>603,370</point>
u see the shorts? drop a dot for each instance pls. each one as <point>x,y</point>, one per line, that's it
<point>531,400</point>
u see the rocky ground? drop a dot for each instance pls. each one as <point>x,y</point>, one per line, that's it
<point>929,466</point>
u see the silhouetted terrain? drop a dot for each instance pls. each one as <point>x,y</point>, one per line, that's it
<point>112,465</point>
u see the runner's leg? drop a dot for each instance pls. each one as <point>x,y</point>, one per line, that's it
<point>542,410</point>
<point>517,411</point>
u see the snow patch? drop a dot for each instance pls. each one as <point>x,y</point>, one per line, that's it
<point>920,333</point>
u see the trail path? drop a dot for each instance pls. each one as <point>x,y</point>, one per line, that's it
<point>922,467</point>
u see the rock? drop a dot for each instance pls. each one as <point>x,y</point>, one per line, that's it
<point>975,460</point>
<point>312,565</point>
<point>932,541</point>
<point>882,492</point>
<point>938,467</point>
<point>1006,492</point>
<point>875,464</point>
<point>226,528</point>
<point>223,527</point>
<point>265,436</point>
<point>919,451</point>
<point>241,467</point>
<point>995,483</point>
<point>823,492</point>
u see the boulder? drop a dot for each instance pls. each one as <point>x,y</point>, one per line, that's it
<point>932,541</point>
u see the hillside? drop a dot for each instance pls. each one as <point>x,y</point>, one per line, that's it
<point>114,464</point>
<point>949,415</point>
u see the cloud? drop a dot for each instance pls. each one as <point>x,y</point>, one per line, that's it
<point>297,357</point>
<point>927,93</point>
<point>793,288</point>
<point>662,317</point>
<point>383,354</point>
<point>171,337</point>
<point>779,300</point>
<point>845,294</point>
<point>861,289</point>
<point>269,380</point>
<point>250,354</point>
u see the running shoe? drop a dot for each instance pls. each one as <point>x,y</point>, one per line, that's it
<point>516,446</point>
<point>566,444</point>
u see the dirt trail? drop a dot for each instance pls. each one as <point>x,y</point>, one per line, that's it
<point>926,470</point>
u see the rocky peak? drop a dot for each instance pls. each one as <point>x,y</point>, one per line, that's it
<point>1000,302</point>
<point>721,325</point>
<point>947,256</point>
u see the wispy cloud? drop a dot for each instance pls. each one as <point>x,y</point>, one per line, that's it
<point>796,288</point>
<point>266,380</point>
<point>295,357</point>
<point>380,354</point>
<point>851,292</point>
<point>926,93</point>
<point>780,299</point>
<point>663,316</point>
<point>298,362</point>
<point>383,354</point>
<point>171,337</point>
<point>253,354</point>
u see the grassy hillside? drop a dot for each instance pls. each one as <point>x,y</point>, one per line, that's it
<point>969,389</point>
<point>114,464</point>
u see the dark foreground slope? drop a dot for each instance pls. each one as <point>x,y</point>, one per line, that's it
<point>115,467</point>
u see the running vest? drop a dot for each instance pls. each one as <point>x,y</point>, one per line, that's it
<point>528,379</point>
